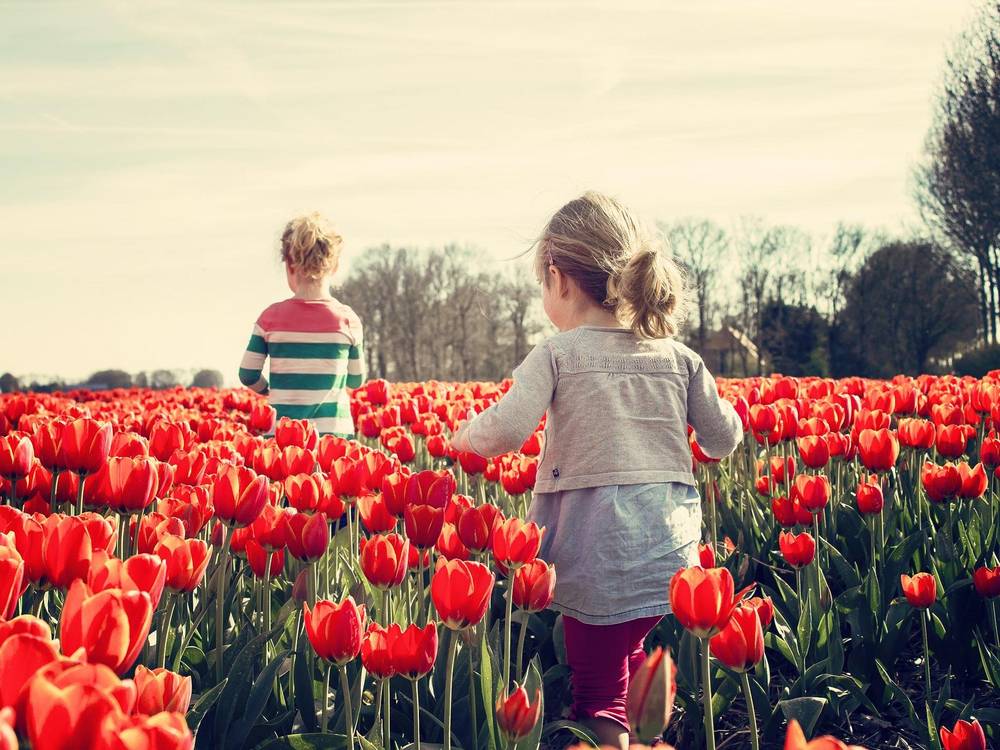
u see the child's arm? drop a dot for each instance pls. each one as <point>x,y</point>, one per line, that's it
<point>715,421</point>
<point>510,421</point>
<point>252,366</point>
<point>357,367</point>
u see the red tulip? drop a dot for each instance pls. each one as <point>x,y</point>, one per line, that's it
<point>423,524</point>
<point>951,440</point>
<point>702,600</point>
<point>989,451</point>
<point>166,730</point>
<point>740,644</point>
<point>263,562</point>
<point>309,536</point>
<point>165,438</point>
<point>651,693</point>
<point>796,740</point>
<point>461,593</point>
<point>85,445</point>
<point>706,556</point>
<point>70,717</point>
<point>261,419</point>
<point>813,491</point>
<point>920,589</point>
<point>376,650</point>
<point>764,607</point>
<point>375,514</point>
<point>516,714</point>
<point>449,545</point>
<point>132,483</point>
<point>384,560</point>
<point>516,542</point>
<point>814,450</point>
<point>477,525</point>
<point>111,626</point>
<point>870,497</point>
<point>12,583</point>
<point>335,630</point>
<point>942,483</point>
<point>189,467</point>
<point>17,454</point>
<point>789,512</point>
<point>186,561</point>
<point>916,433</point>
<point>987,581</point>
<point>797,549</point>
<point>270,529</point>
<point>963,736</point>
<point>161,690</point>
<point>22,655</point>
<point>239,496</point>
<point>67,550</point>
<point>974,480</point>
<point>878,449</point>
<point>414,649</point>
<point>472,463</point>
<point>143,572</point>
<point>534,586</point>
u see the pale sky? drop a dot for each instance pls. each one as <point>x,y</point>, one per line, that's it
<point>151,153</point>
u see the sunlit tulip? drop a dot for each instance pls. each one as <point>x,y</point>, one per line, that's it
<point>67,551</point>
<point>186,561</point>
<point>335,630</point>
<point>916,433</point>
<point>239,496</point>
<point>161,690</point>
<point>263,562</point>
<point>963,736</point>
<point>8,740</point>
<point>70,717</point>
<point>384,560</point>
<point>814,451</point>
<point>17,455</point>
<point>67,672</point>
<point>144,572</point>
<point>951,440</point>
<point>651,693</point>
<point>878,449</point>
<point>765,609</point>
<point>702,600</point>
<point>449,544</point>
<point>375,514</point>
<point>534,586</point>
<point>517,715</point>
<point>941,483</point>
<point>920,590</point>
<point>989,451</point>
<point>706,556</point>
<point>167,730</point>
<point>376,650</point>
<point>423,524</point>
<point>974,480</point>
<point>22,654</point>
<point>516,542</point>
<point>461,593</point>
<point>797,549</point>
<point>85,445</point>
<point>111,625</point>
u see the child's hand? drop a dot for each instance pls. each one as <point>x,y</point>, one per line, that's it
<point>459,436</point>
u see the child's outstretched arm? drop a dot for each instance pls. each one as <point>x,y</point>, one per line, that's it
<point>715,421</point>
<point>510,421</point>
<point>252,366</point>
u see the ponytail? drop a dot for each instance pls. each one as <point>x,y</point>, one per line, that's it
<point>649,291</point>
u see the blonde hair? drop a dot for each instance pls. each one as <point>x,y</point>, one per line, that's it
<point>310,245</point>
<point>616,261</point>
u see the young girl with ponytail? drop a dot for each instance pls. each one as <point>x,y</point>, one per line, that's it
<point>615,488</point>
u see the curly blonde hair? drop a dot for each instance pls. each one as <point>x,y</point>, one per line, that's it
<point>311,246</point>
<point>617,262</point>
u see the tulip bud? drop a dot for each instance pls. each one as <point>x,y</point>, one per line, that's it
<point>651,696</point>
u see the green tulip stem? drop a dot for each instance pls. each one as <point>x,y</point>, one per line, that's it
<point>507,628</point>
<point>79,492</point>
<point>326,699</point>
<point>345,688</point>
<point>473,718</point>
<point>819,603</point>
<point>924,617</point>
<point>754,739</point>
<point>992,605</point>
<point>449,679</point>
<point>416,713</point>
<point>220,601</point>
<point>522,631</point>
<point>706,679</point>
<point>421,604</point>
<point>386,717</point>
<point>161,634</point>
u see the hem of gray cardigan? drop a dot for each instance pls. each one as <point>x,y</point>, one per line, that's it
<point>637,613</point>
<point>545,484</point>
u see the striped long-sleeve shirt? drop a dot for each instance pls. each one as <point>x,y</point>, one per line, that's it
<point>316,353</point>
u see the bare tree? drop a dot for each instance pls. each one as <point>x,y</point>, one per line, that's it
<point>958,186</point>
<point>700,246</point>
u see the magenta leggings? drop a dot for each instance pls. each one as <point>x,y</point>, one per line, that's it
<point>603,659</point>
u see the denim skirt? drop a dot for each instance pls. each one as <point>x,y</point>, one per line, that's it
<point>615,548</point>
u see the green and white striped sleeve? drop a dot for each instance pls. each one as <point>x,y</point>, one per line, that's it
<point>357,369</point>
<point>252,366</point>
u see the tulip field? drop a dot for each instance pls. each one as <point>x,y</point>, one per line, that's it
<point>177,570</point>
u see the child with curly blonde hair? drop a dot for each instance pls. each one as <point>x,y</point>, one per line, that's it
<point>314,341</point>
